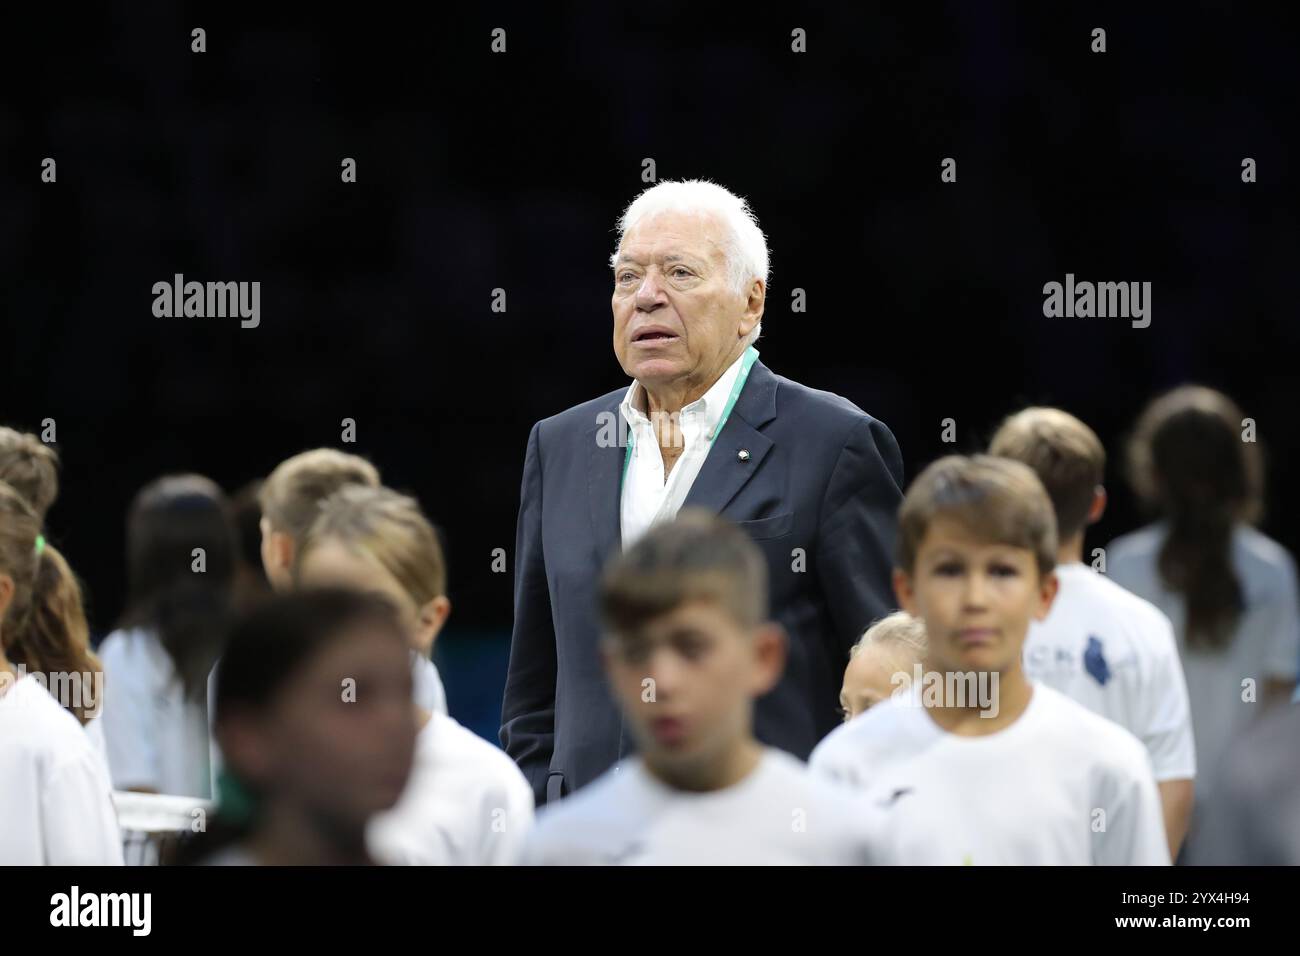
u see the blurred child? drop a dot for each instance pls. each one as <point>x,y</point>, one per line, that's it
<point>1101,645</point>
<point>976,764</point>
<point>1229,590</point>
<point>291,499</point>
<point>180,568</point>
<point>882,662</point>
<point>31,468</point>
<point>55,796</point>
<point>314,717</point>
<point>466,802</point>
<point>687,648</point>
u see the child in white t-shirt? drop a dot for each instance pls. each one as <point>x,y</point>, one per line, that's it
<point>158,661</point>
<point>975,764</point>
<point>466,802</point>
<point>1229,590</point>
<point>686,652</point>
<point>55,797</point>
<point>290,500</point>
<point>1101,645</point>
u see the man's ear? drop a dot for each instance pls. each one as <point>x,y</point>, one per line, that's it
<point>431,619</point>
<point>904,592</point>
<point>755,299</point>
<point>771,647</point>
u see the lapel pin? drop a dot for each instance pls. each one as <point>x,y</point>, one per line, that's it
<point>743,455</point>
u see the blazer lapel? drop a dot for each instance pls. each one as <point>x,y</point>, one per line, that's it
<point>604,478</point>
<point>740,447</point>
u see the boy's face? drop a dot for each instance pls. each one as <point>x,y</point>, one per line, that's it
<point>869,678</point>
<point>976,598</point>
<point>686,681</point>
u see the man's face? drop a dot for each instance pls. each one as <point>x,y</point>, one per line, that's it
<point>676,317</point>
<point>687,679</point>
<point>976,599</point>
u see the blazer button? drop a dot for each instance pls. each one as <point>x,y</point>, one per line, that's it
<point>743,455</point>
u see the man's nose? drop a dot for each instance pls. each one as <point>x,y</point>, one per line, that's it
<point>650,289</point>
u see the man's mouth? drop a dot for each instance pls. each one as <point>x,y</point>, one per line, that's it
<point>653,337</point>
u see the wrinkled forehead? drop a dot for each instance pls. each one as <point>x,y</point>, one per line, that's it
<point>663,236</point>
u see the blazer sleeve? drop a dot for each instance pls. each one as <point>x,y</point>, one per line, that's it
<point>528,708</point>
<point>856,533</point>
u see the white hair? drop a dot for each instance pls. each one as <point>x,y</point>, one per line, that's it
<point>743,243</point>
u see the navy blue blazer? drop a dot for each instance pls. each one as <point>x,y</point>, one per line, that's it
<point>821,476</point>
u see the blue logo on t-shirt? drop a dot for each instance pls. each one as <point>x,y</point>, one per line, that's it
<point>1094,661</point>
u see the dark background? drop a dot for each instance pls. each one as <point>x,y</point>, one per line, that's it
<point>479,171</point>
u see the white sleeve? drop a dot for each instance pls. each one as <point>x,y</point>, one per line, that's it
<point>1282,620</point>
<point>129,727</point>
<point>1163,709</point>
<point>79,820</point>
<point>1132,830</point>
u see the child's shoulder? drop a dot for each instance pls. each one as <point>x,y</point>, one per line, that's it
<point>1141,543</point>
<point>888,725</point>
<point>1085,734</point>
<point>457,747</point>
<point>571,829</point>
<point>1261,558</point>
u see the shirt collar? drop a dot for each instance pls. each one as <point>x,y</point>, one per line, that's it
<point>711,402</point>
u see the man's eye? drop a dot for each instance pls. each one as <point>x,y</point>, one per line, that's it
<point>681,271</point>
<point>1005,570</point>
<point>948,569</point>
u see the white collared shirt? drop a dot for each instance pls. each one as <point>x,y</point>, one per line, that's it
<point>647,498</point>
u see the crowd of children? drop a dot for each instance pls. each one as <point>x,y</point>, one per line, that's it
<point>1030,702</point>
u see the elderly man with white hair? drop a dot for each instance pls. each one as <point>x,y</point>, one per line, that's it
<point>813,479</point>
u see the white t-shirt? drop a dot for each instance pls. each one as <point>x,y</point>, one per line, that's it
<point>157,738</point>
<point>1266,643</point>
<point>779,814</point>
<point>1115,654</point>
<point>1059,786</point>
<point>429,693</point>
<point>465,804</point>
<point>56,805</point>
